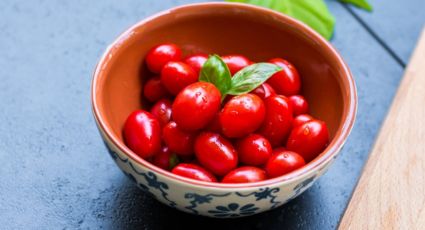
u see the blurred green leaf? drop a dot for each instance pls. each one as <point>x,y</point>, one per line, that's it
<point>364,4</point>
<point>314,13</point>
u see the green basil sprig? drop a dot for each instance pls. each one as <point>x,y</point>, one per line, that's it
<point>216,72</point>
<point>247,79</point>
<point>251,77</point>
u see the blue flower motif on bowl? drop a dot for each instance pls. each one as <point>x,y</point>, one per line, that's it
<point>233,210</point>
<point>263,193</point>
<point>197,199</point>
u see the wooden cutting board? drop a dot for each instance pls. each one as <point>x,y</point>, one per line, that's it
<point>391,191</point>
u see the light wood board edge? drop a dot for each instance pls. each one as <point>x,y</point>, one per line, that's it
<point>391,191</point>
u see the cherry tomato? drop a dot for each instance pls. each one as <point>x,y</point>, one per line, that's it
<point>264,91</point>
<point>194,172</point>
<point>254,150</point>
<point>227,99</point>
<point>162,111</point>
<point>283,162</point>
<point>299,104</point>
<point>165,159</point>
<point>214,126</point>
<point>194,161</point>
<point>235,62</point>
<point>196,105</point>
<point>179,141</point>
<point>188,159</point>
<point>154,90</point>
<point>309,139</point>
<point>177,75</point>
<point>160,55</point>
<point>287,81</point>
<point>142,134</point>
<point>245,174</point>
<point>242,115</point>
<point>196,61</point>
<point>278,121</point>
<point>301,119</point>
<point>215,153</point>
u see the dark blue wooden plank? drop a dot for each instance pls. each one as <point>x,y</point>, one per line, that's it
<point>397,23</point>
<point>54,168</point>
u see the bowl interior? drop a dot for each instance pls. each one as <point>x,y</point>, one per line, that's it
<point>221,29</point>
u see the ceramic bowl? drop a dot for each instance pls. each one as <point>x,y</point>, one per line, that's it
<point>222,28</point>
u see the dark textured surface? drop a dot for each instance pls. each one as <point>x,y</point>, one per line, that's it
<point>397,23</point>
<point>56,172</point>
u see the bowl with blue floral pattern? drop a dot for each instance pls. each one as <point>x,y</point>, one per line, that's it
<point>222,28</point>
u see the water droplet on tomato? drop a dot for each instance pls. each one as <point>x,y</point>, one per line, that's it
<point>306,131</point>
<point>204,99</point>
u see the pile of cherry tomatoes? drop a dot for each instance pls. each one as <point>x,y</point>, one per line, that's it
<point>194,132</point>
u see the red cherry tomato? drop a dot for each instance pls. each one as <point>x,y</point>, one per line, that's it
<point>301,119</point>
<point>227,99</point>
<point>188,159</point>
<point>179,141</point>
<point>242,115</point>
<point>194,161</point>
<point>165,159</point>
<point>245,174</point>
<point>287,81</point>
<point>142,134</point>
<point>177,75</point>
<point>154,90</point>
<point>162,111</point>
<point>215,153</point>
<point>254,150</point>
<point>264,91</point>
<point>194,172</point>
<point>283,162</point>
<point>214,126</point>
<point>299,104</point>
<point>196,105</point>
<point>196,61</point>
<point>235,62</point>
<point>160,55</point>
<point>309,139</point>
<point>278,121</point>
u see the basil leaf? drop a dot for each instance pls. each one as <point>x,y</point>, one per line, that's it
<point>251,77</point>
<point>359,3</point>
<point>216,72</point>
<point>247,79</point>
<point>315,14</point>
<point>312,12</point>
